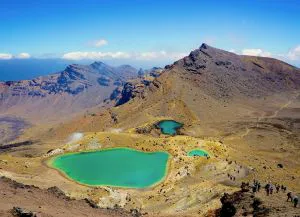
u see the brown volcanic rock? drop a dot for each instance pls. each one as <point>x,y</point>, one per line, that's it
<point>26,200</point>
<point>224,74</point>
<point>219,74</point>
<point>136,87</point>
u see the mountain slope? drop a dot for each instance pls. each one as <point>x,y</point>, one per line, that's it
<point>214,85</point>
<point>224,74</point>
<point>210,85</point>
<point>77,87</point>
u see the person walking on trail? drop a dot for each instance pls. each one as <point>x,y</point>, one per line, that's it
<point>271,189</point>
<point>284,189</point>
<point>267,188</point>
<point>289,196</point>
<point>258,187</point>
<point>295,201</point>
<point>254,188</point>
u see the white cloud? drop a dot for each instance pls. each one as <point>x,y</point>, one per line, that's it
<point>5,56</point>
<point>95,55</point>
<point>160,55</point>
<point>123,55</point>
<point>294,54</point>
<point>23,56</point>
<point>100,43</point>
<point>256,52</point>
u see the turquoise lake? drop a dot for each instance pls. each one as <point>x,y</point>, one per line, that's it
<point>198,152</point>
<point>169,127</point>
<point>121,167</point>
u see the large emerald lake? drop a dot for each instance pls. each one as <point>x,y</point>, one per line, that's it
<point>120,167</point>
<point>169,127</point>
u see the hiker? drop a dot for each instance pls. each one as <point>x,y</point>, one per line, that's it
<point>289,196</point>
<point>258,187</point>
<point>271,189</point>
<point>284,189</point>
<point>295,200</point>
<point>267,188</point>
<point>277,188</point>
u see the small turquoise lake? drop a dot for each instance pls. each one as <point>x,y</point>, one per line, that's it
<point>169,127</point>
<point>198,152</point>
<point>120,167</point>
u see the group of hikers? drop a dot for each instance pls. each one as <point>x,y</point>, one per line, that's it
<point>290,196</point>
<point>270,189</point>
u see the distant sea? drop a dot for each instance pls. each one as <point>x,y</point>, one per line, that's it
<point>17,69</point>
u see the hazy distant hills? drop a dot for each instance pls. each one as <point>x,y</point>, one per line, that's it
<point>75,88</point>
<point>27,69</point>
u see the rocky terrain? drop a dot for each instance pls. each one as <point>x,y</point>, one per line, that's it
<point>26,200</point>
<point>11,128</point>
<point>135,87</point>
<point>246,203</point>
<point>243,110</point>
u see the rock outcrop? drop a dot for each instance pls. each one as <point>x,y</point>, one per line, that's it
<point>137,87</point>
<point>29,201</point>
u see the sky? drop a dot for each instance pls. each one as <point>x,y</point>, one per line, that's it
<point>147,32</point>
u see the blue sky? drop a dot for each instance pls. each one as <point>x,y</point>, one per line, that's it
<point>152,31</point>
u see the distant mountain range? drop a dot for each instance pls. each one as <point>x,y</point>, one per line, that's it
<point>71,90</point>
<point>27,69</point>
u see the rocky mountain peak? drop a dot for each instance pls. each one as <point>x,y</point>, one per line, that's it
<point>98,63</point>
<point>204,46</point>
